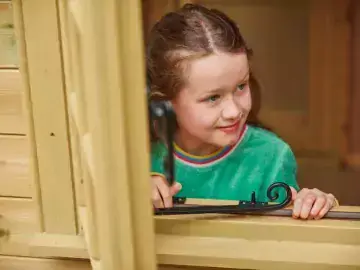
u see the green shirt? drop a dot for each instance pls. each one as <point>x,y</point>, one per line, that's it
<point>257,160</point>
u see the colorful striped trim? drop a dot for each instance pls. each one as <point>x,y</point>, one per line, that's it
<point>207,159</point>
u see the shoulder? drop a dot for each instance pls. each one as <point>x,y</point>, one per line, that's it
<point>263,138</point>
<point>266,145</point>
<point>275,156</point>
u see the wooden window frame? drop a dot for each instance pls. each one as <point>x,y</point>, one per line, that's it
<point>124,213</point>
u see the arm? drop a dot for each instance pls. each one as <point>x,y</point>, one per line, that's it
<point>162,193</point>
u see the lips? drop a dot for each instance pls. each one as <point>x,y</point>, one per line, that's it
<point>231,128</point>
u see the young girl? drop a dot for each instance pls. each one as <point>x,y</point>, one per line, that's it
<point>198,60</point>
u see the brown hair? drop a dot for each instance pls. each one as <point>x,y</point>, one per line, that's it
<point>191,32</point>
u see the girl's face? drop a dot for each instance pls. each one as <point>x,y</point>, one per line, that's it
<point>213,106</point>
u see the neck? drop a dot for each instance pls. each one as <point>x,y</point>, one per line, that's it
<point>193,146</point>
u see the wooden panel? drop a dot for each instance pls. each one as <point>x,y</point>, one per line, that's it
<point>245,254</point>
<point>12,118</point>
<point>18,215</point>
<point>15,177</point>
<point>45,83</point>
<point>76,12</point>
<point>71,81</point>
<point>88,222</point>
<point>121,186</point>
<point>258,242</point>
<point>44,245</point>
<point>8,49</point>
<point>19,263</point>
<point>354,123</point>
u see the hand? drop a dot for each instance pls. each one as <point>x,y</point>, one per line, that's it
<point>311,203</point>
<point>162,194</point>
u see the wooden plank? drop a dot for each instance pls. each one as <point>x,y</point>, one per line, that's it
<point>122,205</point>
<point>353,161</point>
<point>10,80</point>
<point>15,178</point>
<point>8,49</point>
<point>12,118</point>
<point>18,215</point>
<point>247,254</point>
<point>76,11</point>
<point>88,222</point>
<point>44,245</point>
<point>20,34</point>
<point>20,263</point>
<point>342,57</point>
<point>344,232</point>
<point>258,242</point>
<point>49,117</point>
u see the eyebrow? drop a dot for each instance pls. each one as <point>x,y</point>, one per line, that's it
<point>219,90</point>
<point>246,75</point>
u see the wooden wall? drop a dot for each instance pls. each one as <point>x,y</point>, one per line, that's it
<point>34,152</point>
<point>354,110</point>
<point>16,186</point>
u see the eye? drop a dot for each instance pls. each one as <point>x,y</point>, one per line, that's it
<point>242,86</point>
<point>213,98</point>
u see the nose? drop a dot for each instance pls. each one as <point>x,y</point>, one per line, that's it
<point>231,109</point>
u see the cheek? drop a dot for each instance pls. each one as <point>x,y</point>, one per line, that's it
<point>245,101</point>
<point>195,116</point>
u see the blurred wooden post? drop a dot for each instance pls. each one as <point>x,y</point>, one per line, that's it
<point>103,55</point>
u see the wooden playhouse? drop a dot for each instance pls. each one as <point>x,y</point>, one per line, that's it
<point>73,149</point>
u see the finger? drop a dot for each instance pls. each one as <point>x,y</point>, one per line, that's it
<point>332,198</point>
<point>298,202</point>
<point>308,203</point>
<point>175,188</point>
<point>156,198</point>
<point>325,209</point>
<point>164,191</point>
<point>293,193</point>
<point>318,205</point>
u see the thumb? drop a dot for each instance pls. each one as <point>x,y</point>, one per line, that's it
<point>293,193</point>
<point>175,188</point>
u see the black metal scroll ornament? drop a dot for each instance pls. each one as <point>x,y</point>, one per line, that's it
<point>162,125</point>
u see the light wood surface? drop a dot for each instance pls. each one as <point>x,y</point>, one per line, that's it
<point>15,178</point>
<point>18,215</point>
<point>12,118</point>
<point>20,263</point>
<point>44,87</point>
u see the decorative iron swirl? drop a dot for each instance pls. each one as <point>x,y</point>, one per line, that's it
<point>275,196</point>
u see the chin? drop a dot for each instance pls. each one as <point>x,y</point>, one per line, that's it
<point>228,139</point>
<point>223,142</point>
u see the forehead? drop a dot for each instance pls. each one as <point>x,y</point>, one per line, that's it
<point>218,70</point>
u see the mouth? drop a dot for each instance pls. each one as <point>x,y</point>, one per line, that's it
<point>231,128</point>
